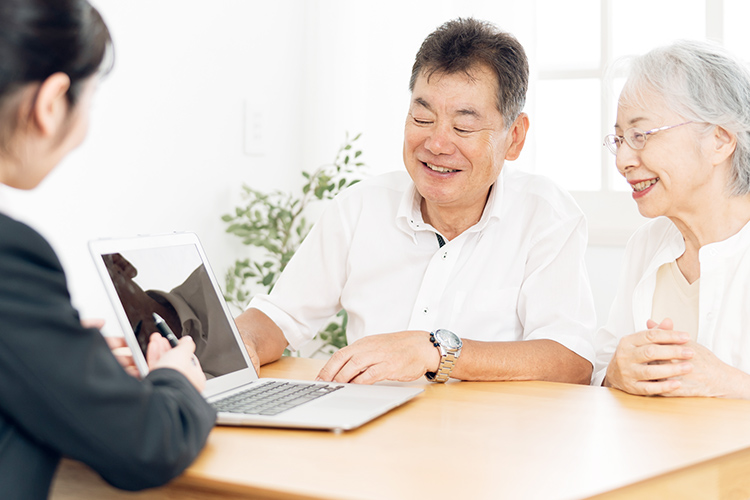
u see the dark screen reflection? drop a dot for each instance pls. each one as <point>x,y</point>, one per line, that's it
<point>190,307</point>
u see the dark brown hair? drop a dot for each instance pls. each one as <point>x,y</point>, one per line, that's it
<point>41,37</point>
<point>460,45</point>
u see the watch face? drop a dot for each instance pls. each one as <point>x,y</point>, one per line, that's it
<point>448,339</point>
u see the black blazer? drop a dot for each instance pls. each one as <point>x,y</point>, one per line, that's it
<point>62,392</point>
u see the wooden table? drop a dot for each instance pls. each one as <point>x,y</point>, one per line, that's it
<point>474,440</point>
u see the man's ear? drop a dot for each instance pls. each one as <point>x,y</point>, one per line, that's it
<point>51,105</point>
<point>517,136</point>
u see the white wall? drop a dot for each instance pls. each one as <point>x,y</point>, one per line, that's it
<point>604,264</point>
<point>165,148</point>
<point>165,151</point>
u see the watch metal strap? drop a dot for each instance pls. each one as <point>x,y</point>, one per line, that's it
<point>445,368</point>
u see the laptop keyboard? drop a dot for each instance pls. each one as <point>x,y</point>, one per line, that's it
<point>273,397</point>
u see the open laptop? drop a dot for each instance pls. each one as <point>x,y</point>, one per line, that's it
<point>169,275</point>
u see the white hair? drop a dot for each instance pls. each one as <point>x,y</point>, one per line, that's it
<point>701,82</point>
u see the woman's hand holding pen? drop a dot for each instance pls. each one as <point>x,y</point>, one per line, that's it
<point>181,358</point>
<point>158,355</point>
<point>164,351</point>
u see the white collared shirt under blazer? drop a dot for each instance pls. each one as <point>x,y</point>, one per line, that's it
<point>517,274</point>
<point>724,296</point>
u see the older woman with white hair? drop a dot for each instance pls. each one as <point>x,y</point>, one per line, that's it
<point>680,323</point>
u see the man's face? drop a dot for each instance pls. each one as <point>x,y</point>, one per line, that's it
<point>455,142</point>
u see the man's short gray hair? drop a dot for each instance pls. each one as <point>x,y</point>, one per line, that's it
<point>702,82</point>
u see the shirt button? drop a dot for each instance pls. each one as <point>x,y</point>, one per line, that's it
<point>425,310</point>
<point>445,255</point>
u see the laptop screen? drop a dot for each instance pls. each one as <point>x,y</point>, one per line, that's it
<point>173,282</point>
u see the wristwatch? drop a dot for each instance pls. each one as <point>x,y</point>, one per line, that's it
<point>450,349</point>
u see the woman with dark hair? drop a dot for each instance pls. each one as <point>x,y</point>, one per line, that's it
<point>62,392</point>
<point>679,323</point>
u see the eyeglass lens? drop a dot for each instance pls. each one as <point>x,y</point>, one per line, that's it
<point>635,138</point>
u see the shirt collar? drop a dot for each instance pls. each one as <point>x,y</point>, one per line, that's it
<point>670,246</point>
<point>675,246</point>
<point>409,214</point>
<point>725,248</point>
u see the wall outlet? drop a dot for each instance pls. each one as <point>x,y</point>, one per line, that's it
<point>254,133</point>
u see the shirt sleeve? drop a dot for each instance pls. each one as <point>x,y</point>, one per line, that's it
<point>64,389</point>
<point>606,342</point>
<point>308,292</point>
<point>555,301</point>
<point>620,321</point>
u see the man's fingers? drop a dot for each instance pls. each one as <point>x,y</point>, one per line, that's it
<point>388,356</point>
<point>369,376</point>
<point>344,366</point>
<point>256,362</point>
<point>332,367</point>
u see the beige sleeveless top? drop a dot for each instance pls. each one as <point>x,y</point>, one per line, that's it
<point>677,299</point>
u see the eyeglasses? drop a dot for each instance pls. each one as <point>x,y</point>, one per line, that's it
<point>635,137</point>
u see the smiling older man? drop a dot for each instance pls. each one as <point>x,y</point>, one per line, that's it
<point>460,268</point>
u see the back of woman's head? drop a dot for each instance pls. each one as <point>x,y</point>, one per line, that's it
<point>702,82</point>
<point>39,38</point>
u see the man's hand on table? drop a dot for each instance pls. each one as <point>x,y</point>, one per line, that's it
<point>400,356</point>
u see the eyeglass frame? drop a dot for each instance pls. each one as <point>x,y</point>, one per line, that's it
<point>620,138</point>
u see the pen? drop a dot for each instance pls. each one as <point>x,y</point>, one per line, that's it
<point>165,331</point>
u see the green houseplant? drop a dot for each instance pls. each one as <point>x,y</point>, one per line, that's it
<point>274,225</point>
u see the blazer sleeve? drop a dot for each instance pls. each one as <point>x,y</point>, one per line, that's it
<point>62,387</point>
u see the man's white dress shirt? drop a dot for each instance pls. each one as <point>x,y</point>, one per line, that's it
<point>724,297</point>
<point>517,274</point>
